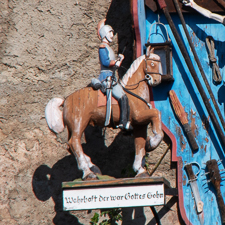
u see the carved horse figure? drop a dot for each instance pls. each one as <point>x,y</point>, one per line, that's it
<point>80,110</point>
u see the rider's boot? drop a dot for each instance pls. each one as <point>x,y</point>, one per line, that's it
<point>96,84</point>
<point>124,123</point>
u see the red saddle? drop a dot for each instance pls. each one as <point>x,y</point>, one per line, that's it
<point>102,99</point>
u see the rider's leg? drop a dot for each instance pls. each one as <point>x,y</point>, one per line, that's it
<point>120,95</point>
<point>124,112</point>
<point>96,84</point>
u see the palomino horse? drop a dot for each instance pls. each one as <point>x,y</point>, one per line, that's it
<point>80,109</point>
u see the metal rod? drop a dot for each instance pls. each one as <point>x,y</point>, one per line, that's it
<point>158,163</point>
<point>198,62</point>
<point>155,215</point>
<point>184,52</point>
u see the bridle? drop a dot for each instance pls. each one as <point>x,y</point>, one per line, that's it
<point>146,66</point>
<point>148,78</point>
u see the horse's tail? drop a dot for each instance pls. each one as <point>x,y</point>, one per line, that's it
<point>54,116</point>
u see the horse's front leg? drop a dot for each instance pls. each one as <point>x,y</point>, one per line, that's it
<point>139,161</point>
<point>83,160</point>
<point>153,116</point>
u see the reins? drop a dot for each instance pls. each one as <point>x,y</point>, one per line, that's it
<point>137,96</point>
<point>130,85</point>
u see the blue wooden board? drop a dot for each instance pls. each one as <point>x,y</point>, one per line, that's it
<point>199,28</point>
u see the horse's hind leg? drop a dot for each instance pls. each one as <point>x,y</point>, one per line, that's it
<point>77,112</point>
<point>82,160</point>
<point>139,161</point>
<point>153,116</point>
<point>153,142</point>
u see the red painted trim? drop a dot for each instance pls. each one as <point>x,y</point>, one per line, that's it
<point>136,28</point>
<point>180,191</point>
<point>138,40</point>
<point>179,162</point>
<point>173,141</point>
<point>174,157</point>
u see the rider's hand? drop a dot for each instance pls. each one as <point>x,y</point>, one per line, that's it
<point>120,57</point>
<point>119,60</point>
<point>118,63</point>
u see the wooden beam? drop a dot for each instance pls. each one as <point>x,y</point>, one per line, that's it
<point>212,5</point>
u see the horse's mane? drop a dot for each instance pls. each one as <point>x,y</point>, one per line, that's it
<point>134,66</point>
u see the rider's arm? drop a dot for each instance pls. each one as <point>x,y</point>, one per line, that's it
<point>204,11</point>
<point>104,57</point>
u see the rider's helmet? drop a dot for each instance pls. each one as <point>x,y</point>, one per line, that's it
<point>104,30</point>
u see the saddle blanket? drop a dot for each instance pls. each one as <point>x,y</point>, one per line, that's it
<point>102,99</point>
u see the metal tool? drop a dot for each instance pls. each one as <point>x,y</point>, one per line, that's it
<point>215,178</point>
<point>188,61</point>
<point>217,78</point>
<point>109,86</point>
<point>194,187</point>
<point>109,100</point>
<point>181,115</point>
<point>199,63</point>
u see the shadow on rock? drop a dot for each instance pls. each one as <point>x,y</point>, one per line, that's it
<point>47,182</point>
<point>114,160</point>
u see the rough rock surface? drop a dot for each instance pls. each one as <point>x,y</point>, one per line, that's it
<point>49,49</point>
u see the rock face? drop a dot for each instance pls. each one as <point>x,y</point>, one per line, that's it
<point>50,49</point>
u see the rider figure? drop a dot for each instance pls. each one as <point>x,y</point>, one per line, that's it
<point>108,63</point>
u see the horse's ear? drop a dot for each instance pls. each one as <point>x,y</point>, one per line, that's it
<point>152,50</point>
<point>148,51</point>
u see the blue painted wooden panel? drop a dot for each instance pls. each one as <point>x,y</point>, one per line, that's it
<point>142,22</point>
<point>199,28</point>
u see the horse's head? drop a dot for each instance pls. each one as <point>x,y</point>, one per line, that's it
<point>153,68</point>
<point>151,65</point>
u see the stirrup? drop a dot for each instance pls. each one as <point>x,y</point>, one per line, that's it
<point>128,126</point>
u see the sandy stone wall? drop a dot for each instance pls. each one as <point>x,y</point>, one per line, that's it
<point>50,49</point>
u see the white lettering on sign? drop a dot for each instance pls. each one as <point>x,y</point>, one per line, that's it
<point>113,197</point>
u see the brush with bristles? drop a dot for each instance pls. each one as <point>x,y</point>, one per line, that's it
<point>181,115</point>
<point>215,178</point>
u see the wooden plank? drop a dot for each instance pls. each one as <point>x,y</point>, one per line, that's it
<point>199,28</point>
<point>109,181</point>
<point>212,5</point>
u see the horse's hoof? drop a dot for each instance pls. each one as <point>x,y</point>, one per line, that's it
<point>95,169</point>
<point>90,176</point>
<point>148,146</point>
<point>143,175</point>
<point>153,142</point>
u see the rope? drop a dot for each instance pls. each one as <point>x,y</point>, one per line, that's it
<point>217,78</point>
